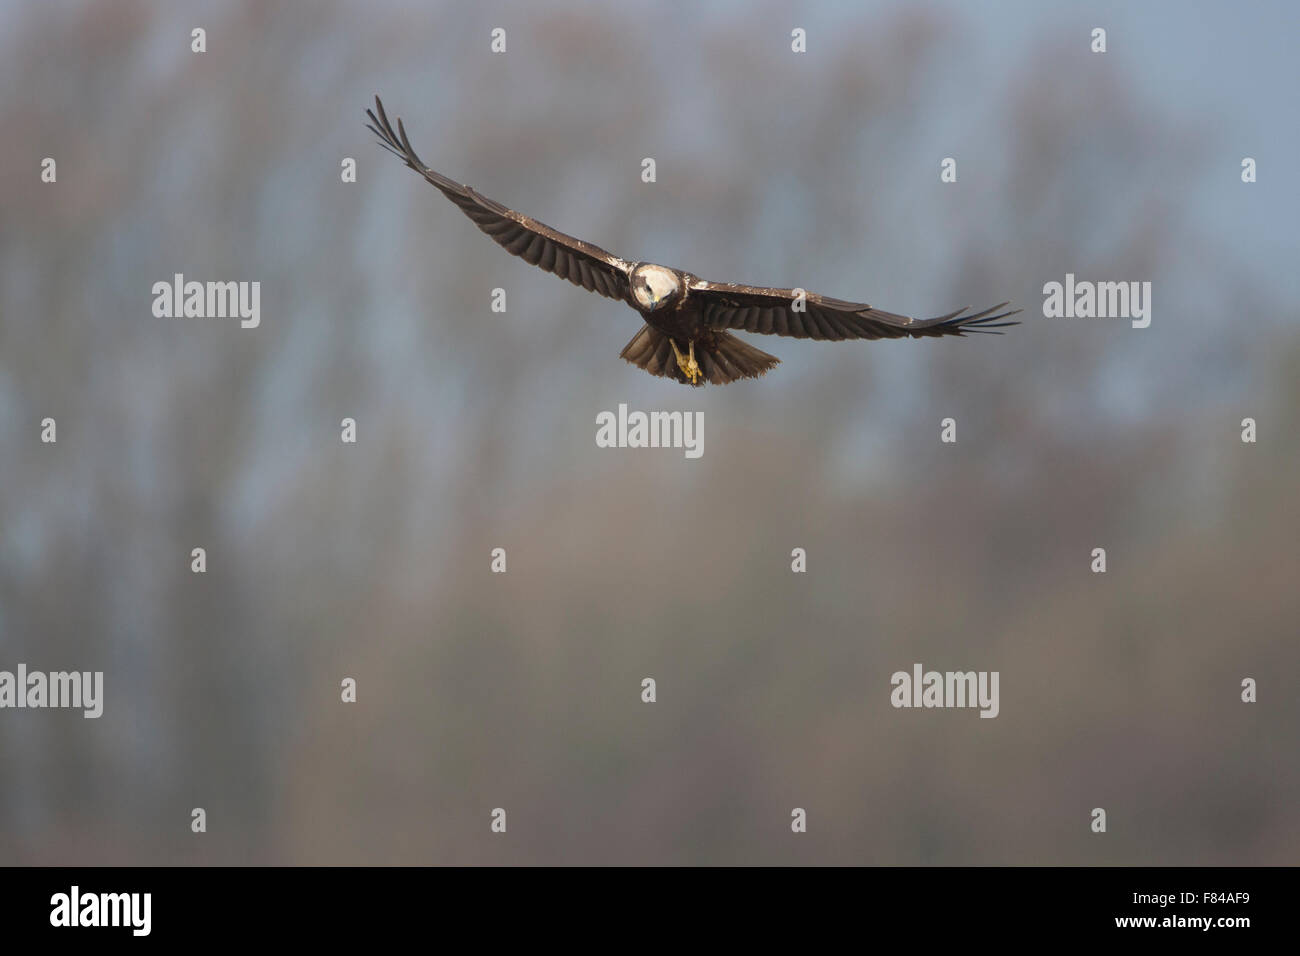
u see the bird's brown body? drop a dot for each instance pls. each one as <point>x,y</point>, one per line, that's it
<point>677,340</point>
<point>682,320</point>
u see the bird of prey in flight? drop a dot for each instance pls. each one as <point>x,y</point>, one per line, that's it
<point>686,335</point>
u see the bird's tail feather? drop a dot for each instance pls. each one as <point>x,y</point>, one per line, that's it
<point>721,356</point>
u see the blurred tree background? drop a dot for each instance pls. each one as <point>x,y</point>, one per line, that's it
<point>476,430</point>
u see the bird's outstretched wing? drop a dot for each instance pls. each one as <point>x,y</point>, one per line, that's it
<point>773,312</point>
<point>535,242</point>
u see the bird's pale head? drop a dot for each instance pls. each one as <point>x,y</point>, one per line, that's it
<point>653,287</point>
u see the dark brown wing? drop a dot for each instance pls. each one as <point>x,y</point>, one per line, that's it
<point>772,312</point>
<point>535,242</point>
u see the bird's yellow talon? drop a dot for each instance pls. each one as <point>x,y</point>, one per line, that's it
<point>690,368</point>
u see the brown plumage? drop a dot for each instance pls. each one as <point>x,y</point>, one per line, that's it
<point>687,318</point>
